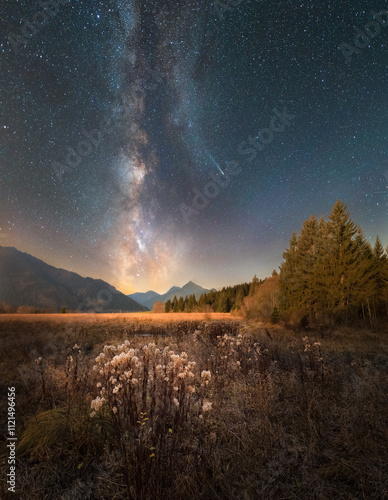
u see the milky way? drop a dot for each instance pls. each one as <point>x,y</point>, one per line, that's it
<point>153,143</point>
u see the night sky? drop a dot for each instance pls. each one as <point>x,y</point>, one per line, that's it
<point>117,115</point>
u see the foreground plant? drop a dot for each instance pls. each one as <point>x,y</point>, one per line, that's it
<point>154,396</point>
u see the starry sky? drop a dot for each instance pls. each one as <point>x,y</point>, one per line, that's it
<point>156,142</point>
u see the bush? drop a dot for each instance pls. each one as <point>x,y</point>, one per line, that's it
<point>155,399</point>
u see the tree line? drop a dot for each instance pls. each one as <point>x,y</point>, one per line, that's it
<point>225,300</point>
<point>330,271</point>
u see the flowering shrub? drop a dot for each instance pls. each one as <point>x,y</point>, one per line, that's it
<point>238,356</point>
<point>153,396</point>
<point>148,380</point>
<point>314,353</point>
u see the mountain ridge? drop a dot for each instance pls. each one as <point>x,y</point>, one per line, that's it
<point>29,281</point>
<point>188,289</point>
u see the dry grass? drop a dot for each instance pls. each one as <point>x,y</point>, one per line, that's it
<point>94,318</point>
<point>290,419</point>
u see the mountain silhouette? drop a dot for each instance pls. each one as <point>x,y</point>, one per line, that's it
<point>28,281</point>
<point>148,299</point>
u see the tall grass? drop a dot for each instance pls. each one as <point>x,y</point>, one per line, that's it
<point>208,410</point>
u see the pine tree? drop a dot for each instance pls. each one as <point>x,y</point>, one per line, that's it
<point>306,259</point>
<point>275,316</point>
<point>254,285</point>
<point>202,301</point>
<point>168,306</point>
<point>364,277</point>
<point>175,304</point>
<point>223,303</point>
<point>330,268</point>
<point>192,303</point>
<point>385,278</point>
<point>180,304</point>
<point>287,277</point>
<point>210,298</point>
<point>340,258</point>
<point>381,275</point>
<point>239,296</point>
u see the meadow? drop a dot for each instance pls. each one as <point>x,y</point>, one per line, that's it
<point>189,406</point>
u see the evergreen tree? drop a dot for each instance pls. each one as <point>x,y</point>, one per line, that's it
<point>254,285</point>
<point>381,275</point>
<point>180,304</point>
<point>364,278</point>
<point>239,296</point>
<point>340,260</point>
<point>331,268</point>
<point>192,303</point>
<point>306,259</point>
<point>168,306</point>
<point>222,303</point>
<point>275,316</point>
<point>210,298</point>
<point>202,301</point>
<point>175,304</point>
<point>287,277</point>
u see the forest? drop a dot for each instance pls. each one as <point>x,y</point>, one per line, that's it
<point>225,300</point>
<point>329,273</point>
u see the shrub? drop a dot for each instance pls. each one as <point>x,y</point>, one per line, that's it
<point>156,400</point>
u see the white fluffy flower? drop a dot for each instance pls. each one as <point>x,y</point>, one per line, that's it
<point>97,403</point>
<point>207,406</point>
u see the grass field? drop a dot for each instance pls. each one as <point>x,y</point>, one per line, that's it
<point>264,412</point>
<point>112,318</point>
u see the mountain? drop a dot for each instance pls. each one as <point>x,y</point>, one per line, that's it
<point>148,299</point>
<point>141,297</point>
<point>28,281</point>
